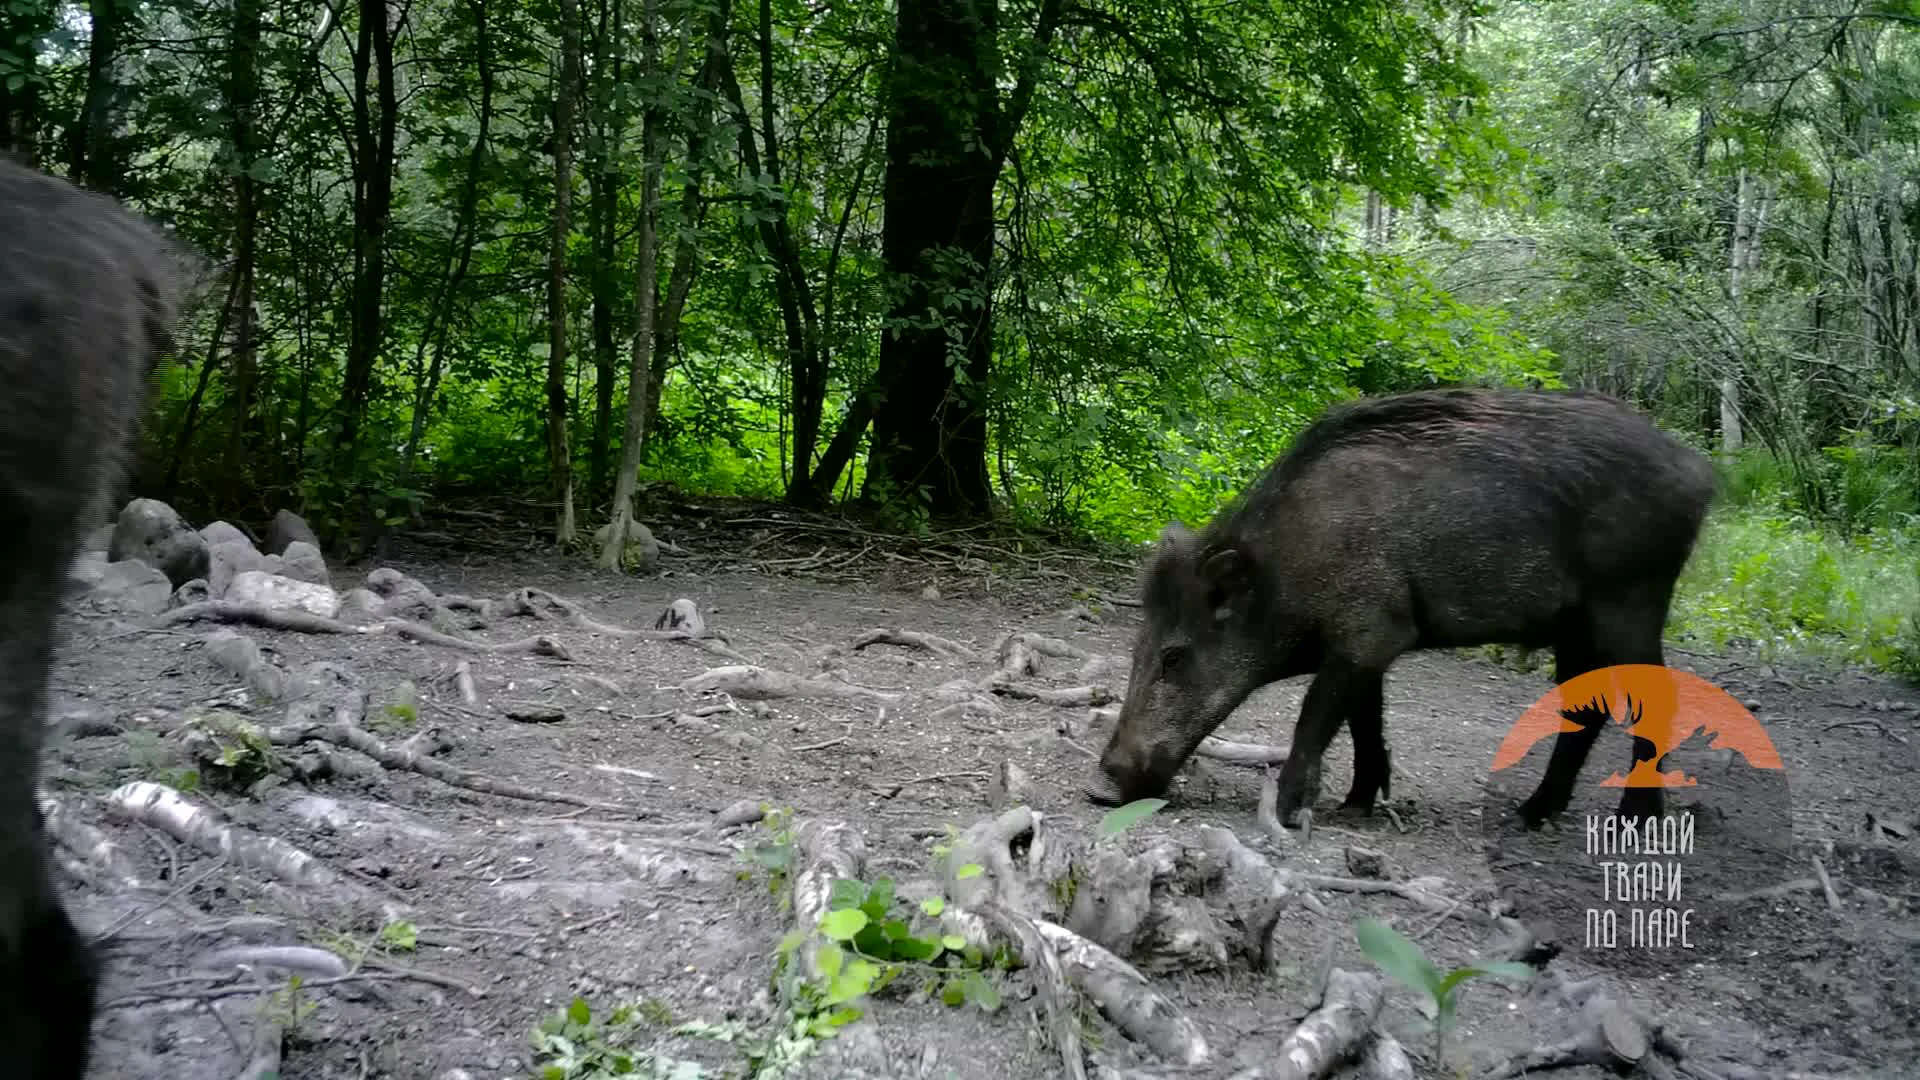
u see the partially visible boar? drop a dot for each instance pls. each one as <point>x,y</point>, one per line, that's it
<point>1426,520</point>
<point>87,302</point>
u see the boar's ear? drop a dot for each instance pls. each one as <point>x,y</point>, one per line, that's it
<point>1228,575</point>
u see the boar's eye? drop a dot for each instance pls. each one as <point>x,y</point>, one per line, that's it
<point>1171,658</point>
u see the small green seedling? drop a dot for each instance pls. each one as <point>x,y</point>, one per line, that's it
<point>1400,957</point>
<point>1122,818</point>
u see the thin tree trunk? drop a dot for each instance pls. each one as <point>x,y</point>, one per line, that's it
<point>646,288</point>
<point>243,94</point>
<point>465,236</point>
<point>1739,262</point>
<point>95,160</point>
<point>603,184</point>
<point>559,455</point>
<point>373,204</point>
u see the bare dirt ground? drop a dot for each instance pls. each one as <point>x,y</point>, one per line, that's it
<point>517,906</point>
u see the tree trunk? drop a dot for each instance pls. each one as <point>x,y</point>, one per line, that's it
<point>942,110</point>
<point>372,207</point>
<point>95,159</point>
<point>22,25</point>
<point>646,289</point>
<point>243,96</point>
<point>1741,252</point>
<point>793,291</point>
<point>559,455</point>
<point>604,182</point>
<point>427,372</point>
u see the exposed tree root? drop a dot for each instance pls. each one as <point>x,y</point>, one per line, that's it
<point>267,618</point>
<point>1333,1032</point>
<point>538,645</point>
<point>1240,753</point>
<point>681,621</point>
<point>346,735</point>
<point>1050,982</point>
<point>171,812</point>
<point>1045,695</point>
<point>464,684</point>
<point>268,1040</point>
<point>1608,1032</point>
<point>1233,753</point>
<point>910,639</point>
<point>757,683</point>
<point>304,960</point>
<point>827,850</point>
<point>103,858</point>
<point>1124,997</point>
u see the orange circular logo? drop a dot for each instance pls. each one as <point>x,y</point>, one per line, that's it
<point>1680,808</point>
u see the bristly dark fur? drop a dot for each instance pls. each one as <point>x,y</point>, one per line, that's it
<point>88,295</point>
<point>1432,519</point>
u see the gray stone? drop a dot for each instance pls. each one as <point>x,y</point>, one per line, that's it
<point>154,533</point>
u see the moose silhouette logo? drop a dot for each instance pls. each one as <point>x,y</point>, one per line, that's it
<point>1682,807</point>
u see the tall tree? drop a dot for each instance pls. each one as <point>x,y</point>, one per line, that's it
<point>94,159</point>
<point>646,294</point>
<point>559,456</point>
<point>376,118</point>
<point>243,102</point>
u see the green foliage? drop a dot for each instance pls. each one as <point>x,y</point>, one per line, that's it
<point>1776,582</point>
<point>866,940</point>
<point>287,1007</point>
<point>399,713</point>
<point>774,855</point>
<point>1439,997</point>
<point>1122,818</point>
<point>232,752</point>
<point>574,1044</point>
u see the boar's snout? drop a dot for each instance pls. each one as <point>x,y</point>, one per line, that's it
<point>1128,772</point>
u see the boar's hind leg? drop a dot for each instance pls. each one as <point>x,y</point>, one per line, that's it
<point>1627,629</point>
<point>1624,628</point>
<point>1367,721</point>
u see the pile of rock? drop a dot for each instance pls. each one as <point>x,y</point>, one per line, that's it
<point>151,559</point>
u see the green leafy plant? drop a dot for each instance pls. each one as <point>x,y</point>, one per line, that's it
<point>1122,818</point>
<point>286,1007</point>
<point>573,1044</point>
<point>774,855</point>
<point>1401,958</point>
<point>873,937</point>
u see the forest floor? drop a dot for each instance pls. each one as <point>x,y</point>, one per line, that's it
<point>518,906</point>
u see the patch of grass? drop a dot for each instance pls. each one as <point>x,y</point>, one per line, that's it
<point>1775,582</point>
